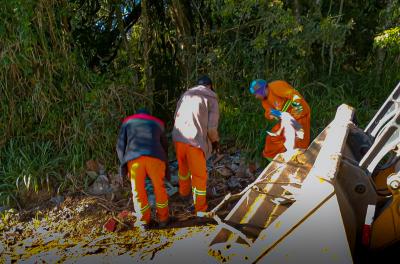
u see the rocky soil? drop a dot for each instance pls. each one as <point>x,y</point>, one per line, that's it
<point>76,228</point>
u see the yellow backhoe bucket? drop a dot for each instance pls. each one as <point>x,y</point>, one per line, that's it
<point>314,208</point>
<point>325,205</point>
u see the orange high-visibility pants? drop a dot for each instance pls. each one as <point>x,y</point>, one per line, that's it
<point>138,170</point>
<point>275,144</point>
<point>192,171</point>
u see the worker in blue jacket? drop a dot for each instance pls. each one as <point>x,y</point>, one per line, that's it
<point>142,151</point>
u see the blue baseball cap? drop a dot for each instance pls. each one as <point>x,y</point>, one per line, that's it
<point>258,87</point>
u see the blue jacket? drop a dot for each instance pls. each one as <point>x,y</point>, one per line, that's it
<point>141,135</point>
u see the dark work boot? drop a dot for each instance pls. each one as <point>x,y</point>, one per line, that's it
<point>184,199</point>
<point>143,226</point>
<point>163,224</point>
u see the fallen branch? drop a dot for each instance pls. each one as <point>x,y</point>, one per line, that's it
<point>119,221</point>
<point>115,208</point>
<point>106,207</point>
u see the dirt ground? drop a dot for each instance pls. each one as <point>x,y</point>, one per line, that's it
<point>70,229</point>
<point>73,232</point>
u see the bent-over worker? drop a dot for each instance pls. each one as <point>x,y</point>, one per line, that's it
<point>277,97</point>
<point>195,135</point>
<point>142,151</point>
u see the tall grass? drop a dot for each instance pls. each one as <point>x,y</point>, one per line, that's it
<point>242,123</point>
<point>28,167</point>
<point>55,113</point>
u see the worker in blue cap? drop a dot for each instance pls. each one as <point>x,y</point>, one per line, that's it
<point>278,97</point>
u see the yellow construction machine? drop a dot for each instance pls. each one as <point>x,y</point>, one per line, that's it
<point>337,202</point>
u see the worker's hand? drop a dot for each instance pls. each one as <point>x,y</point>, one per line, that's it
<point>298,108</point>
<point>272,134</point>
<point>216,147</point>
<point>276,113</point>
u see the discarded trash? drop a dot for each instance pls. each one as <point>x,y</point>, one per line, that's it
<point>57,199</point>
<point>205,214</point>
<point>171,190</point>
<point>174,178</point>
<point>110,225</point>
<point>124,214</point>
<point>100,186</point>
<point>235,166</point>
<point>218,158</point>
<point>233,182</point>
<point>224,171</point>
<point>252,167</point>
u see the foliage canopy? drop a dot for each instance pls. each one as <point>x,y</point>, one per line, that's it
<point>70,70</point>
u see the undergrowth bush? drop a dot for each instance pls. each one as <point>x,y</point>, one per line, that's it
<point>57,113</point>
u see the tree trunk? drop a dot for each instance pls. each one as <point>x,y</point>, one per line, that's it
<point>125,42</point>
<point>180,14</point>
<point>331,56</point>
<point>297,10</point>
<point>148,81</point>
<point>381,53</point>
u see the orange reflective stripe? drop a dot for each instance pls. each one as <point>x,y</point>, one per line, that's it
<point>184,177</point>
<point>286,106</point>
<point>199,192</point>
<point>132,171</point>
<point>145,208</point>
<point>162,205</point>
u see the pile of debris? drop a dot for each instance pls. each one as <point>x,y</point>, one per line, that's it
<point>230,173</point>
<point>69,223</point>
<point>227,173</point>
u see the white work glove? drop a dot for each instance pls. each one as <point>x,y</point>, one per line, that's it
<point>291,128</point>
<point>288,123</point>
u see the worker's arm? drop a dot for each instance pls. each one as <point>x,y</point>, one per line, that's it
<point>267,107</point>
<point>213,119</point>
<point>298,107</point>
<point>293,101</point>
<point>288,117</point>
<point>121,143</point>
<point>294,104</point>
<point>120,147</point>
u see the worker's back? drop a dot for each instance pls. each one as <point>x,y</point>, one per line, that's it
<point>196,112</point>
<point>140,135</point>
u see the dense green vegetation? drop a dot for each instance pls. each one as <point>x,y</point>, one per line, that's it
<point>70,70</point>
